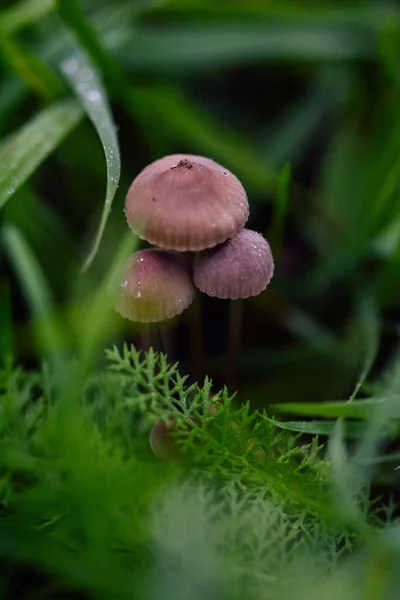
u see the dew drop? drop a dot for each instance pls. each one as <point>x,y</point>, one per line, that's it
<point>124,283</point>
<point>86,74</point>
<point>94,96</point>
<point>138,294</point>
<point>82,87</point>
<point>69,66</point>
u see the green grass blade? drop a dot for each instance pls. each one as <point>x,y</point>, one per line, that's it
<point>369,322</point>
<point>89,89</point>
<point>344,477</point>
<point>198,129</point>
<point>361,409</point>
<point>35,289</point>
<point>6,322</point>
<point>73,16</point>
<point>212,45</point>
<point>26,149</point>
<point>351,429</point>
<point>99,321</point>
<point>281,207</point>
<point>22,15</point>
<point>30,68</point>
<point>12,94</point>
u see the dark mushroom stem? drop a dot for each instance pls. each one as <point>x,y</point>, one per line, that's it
<point>145,337</point>
<point>166,339</point>
<point>239,268</point>
<point>196,346</point>
<point>234,343</point>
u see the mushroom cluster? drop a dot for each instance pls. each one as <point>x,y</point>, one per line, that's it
<point>186,203</point>
<point>182,203</point>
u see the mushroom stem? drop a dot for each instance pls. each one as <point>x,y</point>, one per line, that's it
<point>145,337</point>
<point>234,341</point>
<point>166,335</point>
<point>196,348</point>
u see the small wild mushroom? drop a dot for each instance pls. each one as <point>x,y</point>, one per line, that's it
<point>239,268</point>
<point>186,202</point>
<point>156,285</point>
<point>165,444</point>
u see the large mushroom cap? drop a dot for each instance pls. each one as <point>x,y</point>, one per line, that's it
<point>156,285</point>
<point>240,267</point>
<point>186,202</point>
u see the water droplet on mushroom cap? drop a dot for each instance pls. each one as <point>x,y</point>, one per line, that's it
<point>186,202</point>
<point>156,285</point>
<point>240,267</point>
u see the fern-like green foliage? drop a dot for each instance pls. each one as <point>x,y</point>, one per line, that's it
<point>245,511</point>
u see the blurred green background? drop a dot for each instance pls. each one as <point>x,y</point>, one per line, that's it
<point>299,99</point>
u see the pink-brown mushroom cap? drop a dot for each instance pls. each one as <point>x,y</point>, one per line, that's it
<point>186,202</point>
<point>156,285</point>
<point>240,267</point>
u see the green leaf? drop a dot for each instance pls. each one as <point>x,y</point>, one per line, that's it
<point>351,429</point>
<point>280,208</point>
<point>204,133</point>
<point>88,87</point>
<point>208,45</point>
<point>26,149</point>
<point>347,483</point>
<point>368,316</point>
<point>13,92</point>
<point>35,288</point>
<point>73,16</point>
<point>30,68</point>
<point>23,14</point>
<point>6,322</point>
<point>360,409</point>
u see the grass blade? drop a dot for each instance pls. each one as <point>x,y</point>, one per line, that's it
<point>160,48</point>
<point>89,89</point>
<point>6,323</point>
<point>351,429</point>
<point>280,209</point>
<point>35,288</point>
<point>16,18</point>
<point>370,328</point>
<point>361,409</point>
<point>196,128</point>
<point>26,149</point>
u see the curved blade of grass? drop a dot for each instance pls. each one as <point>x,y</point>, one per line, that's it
<point>351,429</point>
<point>361,409</point>
<point>89,89</point>
<point>212,45</point>
<point>6,322</point>
<point>12,94</point>
<point>370,327</point>
<point>98,322</point>
<point>344,476</point>
<point>26,149</point>
<point>23,14</point>
<point>281,206</point>
<point>200,129</point>
<point>30,68</point>
<point>35,289</point>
